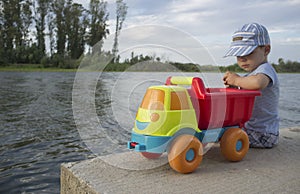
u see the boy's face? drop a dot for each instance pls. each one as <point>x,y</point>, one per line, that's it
<point>253,60</point>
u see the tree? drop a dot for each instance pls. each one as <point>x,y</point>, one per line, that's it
<point>8,29</point>
<point>67,12</point>
<point>51,28</point>
<point>16,18</point>
<point>58,8</point>
<point>280,61</point>
<point>26,20</point>
<point>121,12</point>
<point>23,20</point>
<point>77,30</point>
<point>41,8</point>
<point>2,59</point>
<point>98,23</point>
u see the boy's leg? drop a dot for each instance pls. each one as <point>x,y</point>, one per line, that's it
<point>261,140</point>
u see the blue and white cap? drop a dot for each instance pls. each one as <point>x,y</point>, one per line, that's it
<point>246,39</point>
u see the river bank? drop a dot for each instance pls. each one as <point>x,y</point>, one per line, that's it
<point>33,68</point>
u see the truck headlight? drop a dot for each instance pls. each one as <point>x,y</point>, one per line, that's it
<point>154,117</point>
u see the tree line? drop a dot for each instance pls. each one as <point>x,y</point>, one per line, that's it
<point>26,26</point>
<point>281,67</point>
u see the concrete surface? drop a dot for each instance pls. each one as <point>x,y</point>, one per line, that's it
<point>274,170</point>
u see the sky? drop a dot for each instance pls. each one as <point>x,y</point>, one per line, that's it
<point>200,30</point>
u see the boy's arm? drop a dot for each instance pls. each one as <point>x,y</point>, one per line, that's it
<point>253,82</point>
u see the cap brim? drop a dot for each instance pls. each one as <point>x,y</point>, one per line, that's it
<point>240,51</point>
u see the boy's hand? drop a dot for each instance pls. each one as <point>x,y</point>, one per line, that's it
<point>230,79</point>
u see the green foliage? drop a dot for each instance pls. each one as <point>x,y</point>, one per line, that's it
<point>233,68</point>
<point>117,67</point>
<point>97,22</point>
<point>70,28</point>
<point>282,67</point>
<point>41,8</point>
<point>188,67</point>
<point>287,67</point>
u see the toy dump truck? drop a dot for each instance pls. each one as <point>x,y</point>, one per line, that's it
<point>178,120</point>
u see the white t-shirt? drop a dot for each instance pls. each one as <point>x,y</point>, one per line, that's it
<point>265,117</point>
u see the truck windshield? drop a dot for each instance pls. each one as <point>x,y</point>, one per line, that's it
<point>179,101</point>
<point>153,100</point>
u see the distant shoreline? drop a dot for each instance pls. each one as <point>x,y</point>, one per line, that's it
<point>39,68</point>
<point>25,68</point>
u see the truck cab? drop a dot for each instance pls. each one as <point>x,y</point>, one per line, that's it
<point>164,110</point>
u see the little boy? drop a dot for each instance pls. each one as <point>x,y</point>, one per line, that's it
<point>251,46</point>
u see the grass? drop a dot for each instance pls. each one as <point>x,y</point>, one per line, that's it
<point>33,68</point>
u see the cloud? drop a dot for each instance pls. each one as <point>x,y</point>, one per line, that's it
<point>212,22</point>
<point>292,41</point>
<point>160,40</point>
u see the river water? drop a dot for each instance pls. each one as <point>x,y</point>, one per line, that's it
<point>39,127</point>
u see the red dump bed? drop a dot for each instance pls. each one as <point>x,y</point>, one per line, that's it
<point>221,107</point>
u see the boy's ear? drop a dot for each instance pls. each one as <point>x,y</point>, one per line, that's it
<point>267,49</point>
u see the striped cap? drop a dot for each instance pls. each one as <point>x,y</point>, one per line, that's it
<point>246,39</point>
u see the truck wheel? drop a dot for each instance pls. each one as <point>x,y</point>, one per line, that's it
<point>150,155</point>
<point>185,154</point>
<point>234,144</point>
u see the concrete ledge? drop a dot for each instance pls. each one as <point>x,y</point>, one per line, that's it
<point>274,170</point>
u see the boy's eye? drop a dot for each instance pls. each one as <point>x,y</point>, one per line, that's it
<point>254,50</point>
<point>250,53</point>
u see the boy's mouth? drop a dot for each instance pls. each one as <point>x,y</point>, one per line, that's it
<point>245,66</point>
